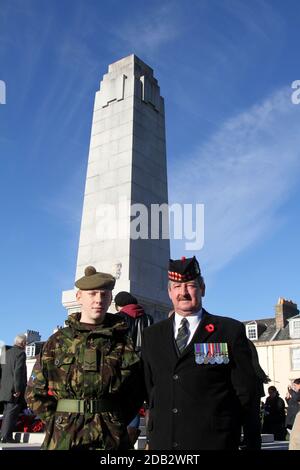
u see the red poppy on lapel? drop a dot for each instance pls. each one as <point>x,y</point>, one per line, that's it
<point>210,327</point>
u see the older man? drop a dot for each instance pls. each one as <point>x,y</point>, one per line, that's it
<point>198,370</point>
<point>87,384</point>
<point>13,385</point>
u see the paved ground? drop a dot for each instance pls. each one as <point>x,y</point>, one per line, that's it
<point>21,446</point>
<point>32,441</point>
<point>27,446</point>
<point>276,445</point>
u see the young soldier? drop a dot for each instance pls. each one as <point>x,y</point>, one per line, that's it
<point>87,384</point>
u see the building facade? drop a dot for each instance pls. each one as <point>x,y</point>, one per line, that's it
<point>277,341</point>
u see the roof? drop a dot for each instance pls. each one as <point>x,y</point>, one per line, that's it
<point>266,329</point>
<point>295,317</point>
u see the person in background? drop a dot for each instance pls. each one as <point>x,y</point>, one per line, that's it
<point>293,401</point>
<point>295,434</point>
<point>127,306</point>
<point>137,319</point>
<point>13,385</point>
<point>274,415</point>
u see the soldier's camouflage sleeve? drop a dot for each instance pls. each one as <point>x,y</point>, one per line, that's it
<point>38,395</point>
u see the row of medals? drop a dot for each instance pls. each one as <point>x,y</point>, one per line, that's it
<point>211,353</point>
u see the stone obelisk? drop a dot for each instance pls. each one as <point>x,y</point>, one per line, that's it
<point>126,166</point>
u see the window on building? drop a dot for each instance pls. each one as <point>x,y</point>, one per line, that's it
<point>297,328</point>
<point>251,331</point>
<point>295,358</point>
<point>30,350</point>
<point>294,327</point>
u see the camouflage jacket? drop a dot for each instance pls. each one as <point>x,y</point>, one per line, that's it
<point>61,372</point>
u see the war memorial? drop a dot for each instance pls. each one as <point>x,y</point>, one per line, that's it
<point>126,173</point>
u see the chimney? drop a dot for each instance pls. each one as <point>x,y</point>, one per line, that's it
<point>283,310</point>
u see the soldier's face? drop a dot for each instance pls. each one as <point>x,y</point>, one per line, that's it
<point>186,296</point>
<point>94,304</point>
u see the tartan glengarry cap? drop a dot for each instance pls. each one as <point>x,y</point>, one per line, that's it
<point>94,280</point>
<point>184,269</point>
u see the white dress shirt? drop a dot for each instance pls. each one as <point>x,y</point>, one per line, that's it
<point>193,320</point>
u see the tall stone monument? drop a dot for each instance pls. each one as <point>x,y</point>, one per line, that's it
<point>127,166</point>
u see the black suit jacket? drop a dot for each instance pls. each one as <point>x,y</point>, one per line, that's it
<point>14,376</point>
<point>196,406</point>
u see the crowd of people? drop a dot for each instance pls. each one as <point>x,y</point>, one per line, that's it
<point>93,376</point>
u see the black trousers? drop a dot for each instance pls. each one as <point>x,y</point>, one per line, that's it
<point>10,417</point>
<point>252,426</point>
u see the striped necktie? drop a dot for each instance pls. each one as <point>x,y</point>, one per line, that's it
<point>182,335</point>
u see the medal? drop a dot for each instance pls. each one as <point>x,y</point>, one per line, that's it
<point>211,353</point>
<point>206,353</point>
<point>199,359</point>
<point>224,349</point>
<point>197,349</point>
<point>211,347</point>
<point>219,359</point>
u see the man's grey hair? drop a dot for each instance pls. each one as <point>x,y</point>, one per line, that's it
<point>200,280</point>
<point>20,340</point>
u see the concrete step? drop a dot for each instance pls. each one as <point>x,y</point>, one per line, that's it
<point>267,438</point>
<point>276,445</point>
<point>33,441</point>
<point>140,444</point>
<point>264,437</point>
<point>21,446</point>
<point>25,441</point>
<point>268,443</point>
<point>29,437</point>
<point>142,421</point>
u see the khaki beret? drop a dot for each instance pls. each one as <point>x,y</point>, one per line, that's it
<point>94,280</point>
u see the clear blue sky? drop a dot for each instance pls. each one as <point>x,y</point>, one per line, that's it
<point>233,141</point>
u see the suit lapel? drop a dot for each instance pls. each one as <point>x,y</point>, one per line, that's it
<point>168,341</point>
